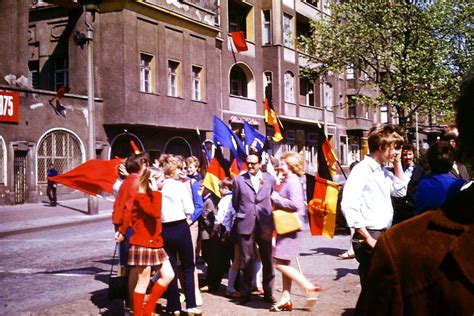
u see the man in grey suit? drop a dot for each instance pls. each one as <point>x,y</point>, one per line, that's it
<point>254,223</point>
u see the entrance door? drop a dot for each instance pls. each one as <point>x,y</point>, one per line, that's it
<point>19,179</point>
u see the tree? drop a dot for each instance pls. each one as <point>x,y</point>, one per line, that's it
<point>413,55</point>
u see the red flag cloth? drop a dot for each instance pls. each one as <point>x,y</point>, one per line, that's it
<point>239,41</point>
<point>92,177</point>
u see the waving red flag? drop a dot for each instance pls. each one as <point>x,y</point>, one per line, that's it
<point>239,41</point>
<point>92,177</point>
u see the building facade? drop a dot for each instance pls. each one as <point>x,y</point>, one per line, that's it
<point>162,69</point>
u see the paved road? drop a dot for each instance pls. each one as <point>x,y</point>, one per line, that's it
<point>64,272</point>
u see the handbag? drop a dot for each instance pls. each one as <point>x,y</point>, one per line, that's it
<point>286,222</point>
<point>118,285</point>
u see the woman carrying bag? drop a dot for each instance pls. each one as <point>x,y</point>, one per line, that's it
<point>290,198</point>
<point>146,244</point>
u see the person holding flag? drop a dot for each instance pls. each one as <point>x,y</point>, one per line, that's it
<point>366,201</point>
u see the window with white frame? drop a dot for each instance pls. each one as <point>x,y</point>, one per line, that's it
<point>197,82</point>
<point>3,154</point>
<point>33,67</point>
<point>288,30</point>
<point>61,72</point>
<point>384,113</point>
<point>267,27</point>
<point>146,72</point>
<point>60,148</point>
<point>328,91</point>
<point>173,78</point>
<point>267,80</point>
<point>289,86</point>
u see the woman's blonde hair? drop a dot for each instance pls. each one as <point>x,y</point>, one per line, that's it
<point>170,165</point>
<point>143,181</point>
<point>294,161</point>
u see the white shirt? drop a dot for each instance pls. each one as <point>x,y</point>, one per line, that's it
<point>366,198</point>
<point>256,180</point>
<point>177,203</point>
<point>225,212</point>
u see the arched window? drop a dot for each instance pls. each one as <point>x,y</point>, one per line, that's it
<point>121,146</point>
<point>289,80</point>
<point>178,146</point>
<point>242,82</point>
<point>3,161</point>
<point>62,149</point>
<point>238,82</point>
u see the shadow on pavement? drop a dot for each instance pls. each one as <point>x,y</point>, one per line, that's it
<point>72,208</point>
<point>323,250</point>
<point>76,271</point>
<point>107,307</point>
<point>342,272</point>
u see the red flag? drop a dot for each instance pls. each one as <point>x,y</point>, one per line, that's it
<point>271,117</point>
<point>239,41</point>
<point>92,177</point>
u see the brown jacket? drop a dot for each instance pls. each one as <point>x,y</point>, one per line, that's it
<point>425,266</point>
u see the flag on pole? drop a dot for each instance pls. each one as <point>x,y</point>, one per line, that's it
<point>238,38</point>
<point>92,177</point>
<point>322,208</point>
<point>225,137</point>
<point>216,171</point>
<point>253,138</point>
<point>271,117</point>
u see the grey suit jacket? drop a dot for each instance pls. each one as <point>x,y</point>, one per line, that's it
<point>251,206</point>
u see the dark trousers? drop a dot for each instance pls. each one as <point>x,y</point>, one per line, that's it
<point>363,253</point>
<point>51,192</point>
<point>177,240</point>
<point>216,254</point>
<point>124,247</point>
<point>247,258</point>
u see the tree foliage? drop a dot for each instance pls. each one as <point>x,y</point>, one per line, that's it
<point>414,55</point>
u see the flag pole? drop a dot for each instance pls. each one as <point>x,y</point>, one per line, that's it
<point>337,160</point>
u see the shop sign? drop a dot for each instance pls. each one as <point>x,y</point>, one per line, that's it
<point>9,106</point>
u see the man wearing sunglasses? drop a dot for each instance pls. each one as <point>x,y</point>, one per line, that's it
<point>254,223</point>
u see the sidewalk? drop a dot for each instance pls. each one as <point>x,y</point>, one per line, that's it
<point>15,219</point>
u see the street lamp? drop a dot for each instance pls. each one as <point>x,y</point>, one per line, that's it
<point>90,7</point>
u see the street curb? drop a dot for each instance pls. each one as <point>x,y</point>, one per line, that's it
<point>64,223</point>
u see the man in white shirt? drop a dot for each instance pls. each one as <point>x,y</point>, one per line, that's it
<point>366,201</point>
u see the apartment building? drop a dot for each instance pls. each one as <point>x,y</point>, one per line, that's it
<point>162,69</point>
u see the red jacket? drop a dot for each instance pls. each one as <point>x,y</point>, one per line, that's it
<point>127,191</point>
<point>146,220</point>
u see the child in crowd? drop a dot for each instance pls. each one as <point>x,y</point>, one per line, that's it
<point>192,164</point>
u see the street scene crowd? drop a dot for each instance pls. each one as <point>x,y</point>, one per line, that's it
<point>411,226</point>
